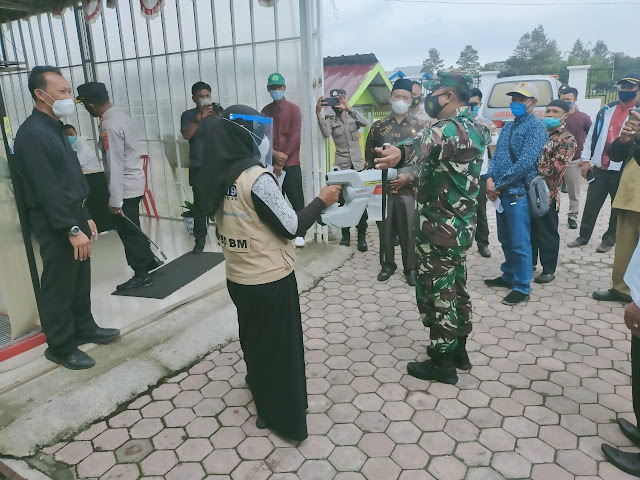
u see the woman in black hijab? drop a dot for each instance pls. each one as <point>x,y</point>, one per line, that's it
<point>255,227</point>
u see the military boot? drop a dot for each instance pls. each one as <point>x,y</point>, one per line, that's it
<point>440,368</point>
<point>346,237</point>
<point>460,356</point>
<point>362,240</point>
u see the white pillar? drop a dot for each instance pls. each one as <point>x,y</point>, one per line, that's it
<point>578,78</point>
<point>487,79</point>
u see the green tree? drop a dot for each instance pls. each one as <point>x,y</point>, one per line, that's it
<point>469,60</point>
<point>600,55</point>
<point>493,67</point>
<point>579,55</point>
<point>434,63</point>
<point>535,54</point>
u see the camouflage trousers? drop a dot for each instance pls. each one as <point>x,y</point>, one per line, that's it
<point>441,293</point>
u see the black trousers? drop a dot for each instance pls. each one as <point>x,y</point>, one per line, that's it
<point>199,218</point>
<point>65,285</point>
<point>482,229</point>
<point>401,217</point>
<point>272,342</point>
<point>292,187</point>
<point>98,201</point>
<point>545,240</point>
<point>136,246</point>
<point>605,184</point>
<point>635,376</point>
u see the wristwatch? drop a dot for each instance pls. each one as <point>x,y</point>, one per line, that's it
<point>73,231</point>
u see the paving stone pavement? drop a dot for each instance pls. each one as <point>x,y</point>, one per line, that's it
<point>548,382</point>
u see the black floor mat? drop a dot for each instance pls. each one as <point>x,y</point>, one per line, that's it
<point>176,274</point>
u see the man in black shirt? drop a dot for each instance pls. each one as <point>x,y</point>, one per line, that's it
<point>55,193</point>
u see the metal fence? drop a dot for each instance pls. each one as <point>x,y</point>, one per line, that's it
<point>601,82</point>
<point>149,66</point>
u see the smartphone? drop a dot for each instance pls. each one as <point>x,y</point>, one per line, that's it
<point>633,117</point>
<point>590,177</point>
<point>331,102</point>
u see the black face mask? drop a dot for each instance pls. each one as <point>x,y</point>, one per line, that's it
<point>337,110</point>
<point>415,101</point>
<point>432,105</point>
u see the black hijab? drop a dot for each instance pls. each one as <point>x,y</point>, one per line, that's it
<point>229,150</point>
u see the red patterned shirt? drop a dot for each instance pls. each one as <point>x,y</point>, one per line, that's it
<point>556,155</point>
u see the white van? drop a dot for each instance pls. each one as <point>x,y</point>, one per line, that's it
<point>496,105</point>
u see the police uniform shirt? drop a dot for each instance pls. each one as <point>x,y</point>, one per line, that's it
<point>346,137</point>
<point>50,171</point>
<point>121,157</point>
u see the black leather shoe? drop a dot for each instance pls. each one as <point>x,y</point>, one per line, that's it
<point>155,263</point>
<point>346,237</point>
<point>460,355</point>
<point>497,282</point>
<point>629,430</point>
<point>76,360</point>
<point>411,278</point>
<point>135,282</point>
<point>396,240</point>
<point>101,336</point>
<point>437,371</point>
<point>603,248</point>
<point>362,241</point>
<point>260,424</point>
<point>515,298</point>
<point>545,278</point>
<point>609,296</point>
<point>484,251</point>
<point>572,224</point>
<point>198,249</point>
<point>386,272</point>
<point>578,242</point>
<point>625,461</point>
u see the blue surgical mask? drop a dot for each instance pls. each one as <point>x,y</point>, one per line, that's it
<point>551,123</point>
<point>72,139</point>
<point>276,94</point>
<point>626,95</point>
<point>475,110</point>
<point>518,109</point>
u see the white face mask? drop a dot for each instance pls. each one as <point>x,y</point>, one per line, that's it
<point>203,102</point>
<point>61,108</point>
<point>400,107</point>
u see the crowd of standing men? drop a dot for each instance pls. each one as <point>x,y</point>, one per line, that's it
<point>436,207</point>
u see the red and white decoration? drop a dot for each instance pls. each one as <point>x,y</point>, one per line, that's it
<point>150,8</point>
<point>91,9</point>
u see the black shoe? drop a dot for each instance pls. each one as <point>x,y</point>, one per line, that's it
<point>625,461</point>
<point>515,298</point>
<point>578,242</point>
<point>411,278</point>
<point>346,237</point>
<point>460,355</point>
<point>76,360</point>
<point>362,241</point>
<point>396,240</point>
<point>386,272</point>
<point>198,249</point>
<point>155,263</point>
<point>484,251</point>
<point>438,370</point>
<point>563,188</point>
<point>135,282</point>
<point>572,224</point>
<point>629,430</point>
<point>497,282</point>
<point>545,278</point>
<point>102,336</point>
<point>603,248</point>
<point>260,424</point>
<point>609,296</point>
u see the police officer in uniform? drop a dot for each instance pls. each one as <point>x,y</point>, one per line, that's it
<point>125,174</point>
<point>343,128</point>
<point>255,228</point>
<point>450,158</point>
<point>55,192</point>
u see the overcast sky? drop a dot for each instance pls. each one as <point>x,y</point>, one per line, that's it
<point>401,32</point>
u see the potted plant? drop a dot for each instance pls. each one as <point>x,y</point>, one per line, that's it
<point>187,214</point>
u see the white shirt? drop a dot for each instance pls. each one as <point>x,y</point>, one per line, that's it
<point>87,157</point>
<point>632,277</point>
<point>596,160</point>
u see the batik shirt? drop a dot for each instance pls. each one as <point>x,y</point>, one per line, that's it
<point>556,155</point>
<point>449,155</point>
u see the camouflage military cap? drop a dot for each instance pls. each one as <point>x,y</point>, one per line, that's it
<point>452,77</point>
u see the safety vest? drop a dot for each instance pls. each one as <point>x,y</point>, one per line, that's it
<point>254,254</point>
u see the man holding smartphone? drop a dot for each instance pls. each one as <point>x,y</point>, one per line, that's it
<point>597,167</point>
<point>344,128</point>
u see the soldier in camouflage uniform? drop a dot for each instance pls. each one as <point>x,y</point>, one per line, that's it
<point>449,155</point>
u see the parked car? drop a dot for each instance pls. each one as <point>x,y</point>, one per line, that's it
<point>496,107</point>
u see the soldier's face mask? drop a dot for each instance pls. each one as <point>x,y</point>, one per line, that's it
<point>432,104</point>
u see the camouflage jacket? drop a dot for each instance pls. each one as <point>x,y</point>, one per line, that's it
<point>449,155</point>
